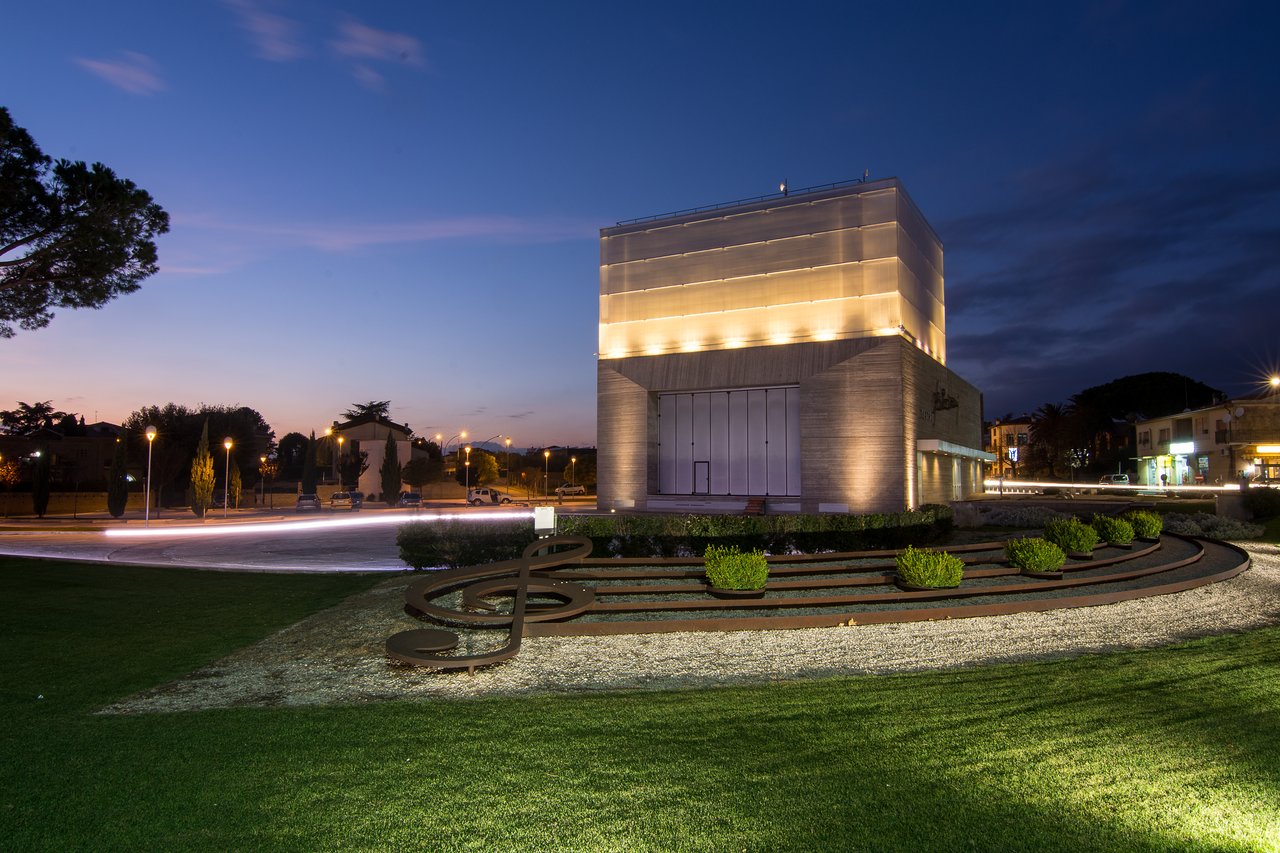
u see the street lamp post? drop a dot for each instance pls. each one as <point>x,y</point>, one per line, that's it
<point>444,449</point>
<point>546,474</point>
<point>146,512</point>
<point>341,440</point>
<point>468,471</point>
<point>573,469</point>
<point>262,479</point>
<point>226,478</point>
<point>508,463</point>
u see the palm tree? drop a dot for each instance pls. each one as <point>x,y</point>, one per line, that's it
<point>1051,434</point>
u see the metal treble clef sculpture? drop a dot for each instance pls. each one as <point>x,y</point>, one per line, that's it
<point>429,646</point>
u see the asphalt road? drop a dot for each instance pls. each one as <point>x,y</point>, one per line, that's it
<point>358,542</point>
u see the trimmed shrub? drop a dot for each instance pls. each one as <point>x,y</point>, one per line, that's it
<point>1146,524</point>
<point>1262,502</point>
<point>729,568</point>
<point>925,567</point>
<point>1071,535</point>
<point>1034,554</point>
<point>462,543</point>
<point>1115,531</point>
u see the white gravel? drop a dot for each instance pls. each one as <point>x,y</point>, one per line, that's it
<point>336,656</point>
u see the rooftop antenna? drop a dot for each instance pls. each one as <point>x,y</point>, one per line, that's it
<point>782,187</point>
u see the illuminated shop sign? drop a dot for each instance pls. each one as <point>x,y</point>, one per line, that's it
<point>1182,447</point>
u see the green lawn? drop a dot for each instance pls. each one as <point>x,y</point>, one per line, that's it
<point>1177,749</point>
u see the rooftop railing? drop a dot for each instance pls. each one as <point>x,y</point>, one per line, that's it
<point>771,196</point>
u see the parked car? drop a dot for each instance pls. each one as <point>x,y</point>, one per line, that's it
<point>571,489</point>
<point>1114,480</point>
<point>410,499</point>
<point>486,496</point>
<point>308,502</point>
<point>346,500</point>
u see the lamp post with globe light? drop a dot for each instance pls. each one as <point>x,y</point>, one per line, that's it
<point>146,512</point>
<point>468,471</point>
<point>508,443</point>
<point>546,474</point>
<point>226,478</point>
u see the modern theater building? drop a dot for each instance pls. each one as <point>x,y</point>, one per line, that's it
<point>788,351</point>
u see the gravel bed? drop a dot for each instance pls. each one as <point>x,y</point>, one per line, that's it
<point>336,656</point>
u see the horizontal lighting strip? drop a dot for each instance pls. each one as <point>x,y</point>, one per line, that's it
<point>319,524</point>
<point>810,235</point>
<point>893,294</point>
<point>739,278</point>
<point>772,340</point>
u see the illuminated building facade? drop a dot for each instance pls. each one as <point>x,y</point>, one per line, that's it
<point>791,349</point>
<point>1214,445</point>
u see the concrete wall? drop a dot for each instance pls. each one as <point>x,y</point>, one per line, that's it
<point>864,404</point>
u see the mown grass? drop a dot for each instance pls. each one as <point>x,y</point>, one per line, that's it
<point>1175,749</point>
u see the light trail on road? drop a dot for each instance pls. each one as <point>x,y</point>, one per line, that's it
<point>311,525</point>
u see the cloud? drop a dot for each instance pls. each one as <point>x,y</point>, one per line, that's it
<point>274,37</point>
<point>135,73</point>
<point>357,41</point>
<point>369,78</point>
<point>1090,271</point>
<point>350,236</point>
<point>519,415</point>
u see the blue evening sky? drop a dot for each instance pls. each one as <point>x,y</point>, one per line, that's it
<point>401,201</point>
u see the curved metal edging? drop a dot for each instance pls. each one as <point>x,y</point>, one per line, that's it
<point>422,646</point>
<point>756,623</point>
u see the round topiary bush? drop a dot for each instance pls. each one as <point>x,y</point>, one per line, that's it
<point>1145,524</point>
<point>928,568</point>
<point>1034,554</point>
<point>1071,535</point>
<point>1115,531</point>
<point>729,568</point>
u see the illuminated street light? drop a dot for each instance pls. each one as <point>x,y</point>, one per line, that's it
<point>226,478</point>
<point>262,479</point>
<point>546,474</point>
<point>444,449</point>
<point>341,440</point>
<point>573,469</point>
<point>468,471</point>
<point>508,463</point>
<point>146,512</point>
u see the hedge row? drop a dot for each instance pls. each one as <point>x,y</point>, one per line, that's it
<point>471,543</point>
<point>653,535</point>
<point>425,545</point>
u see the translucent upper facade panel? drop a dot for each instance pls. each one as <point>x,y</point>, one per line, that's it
<point>833,264</point>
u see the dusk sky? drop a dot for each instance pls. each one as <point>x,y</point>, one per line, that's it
<point>402,201</point>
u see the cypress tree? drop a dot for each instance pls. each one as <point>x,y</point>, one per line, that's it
<point>202,477</point>
<point>234,489</point>
<point>117,482</point>
<point>40,483</point>
<point>390,471</point>
<point>309,466</point>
